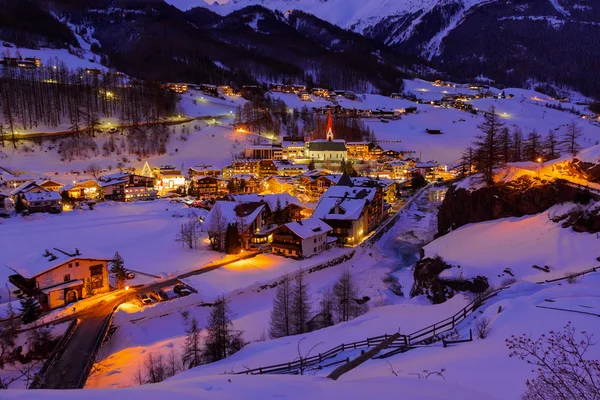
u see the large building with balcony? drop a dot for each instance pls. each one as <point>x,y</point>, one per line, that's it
<point>301,239</point>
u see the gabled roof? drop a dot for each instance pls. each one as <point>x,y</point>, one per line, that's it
<point>345,180</point>
<point>40,262</point>
<point>344,192</point>
<point>43,196</point>
<point>350,209</point>
<point>26,186</point>
<point>231,213</point>
<point>270,199</point>
<point>325,145</point>
<point>309,227</point>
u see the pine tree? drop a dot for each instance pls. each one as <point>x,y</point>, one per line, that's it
<point>551,150</point>
<point>533,146</point>
<point>345,293</point>
<point>192,190</point>
<point>467,162</point>
<point>117,268</point>
<point>30,310</point>
<point>569,140</point>
<point>280,324</point>
<point>505,146</point>
<point>278,213</point>
<point>300,304</point>
<point>192,351</point>
<point>20,204</point>
<point>221,339</point>
<point>311,165</point>
<point>517,145</point>
<point>232,241</point>
<point>488,143</point>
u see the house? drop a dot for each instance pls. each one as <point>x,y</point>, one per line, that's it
<point>243,167</point>
<point>13,179</point>
<point>433,131</point>
<point>291,205</point>
<point>399,169</point>
<point>285,168</point>
<point>303,95</point>
<point>168,178</point>
<point>83,190</point>
<point>320,92</point>
<point>225,90</point>
<point>93,71</point>
<point>301,239</point>
<point>204,170</point>
<point>208,89</point>
<point>51,185</point>
<point>292,148</point>
<point>206,185</point>
<point>315,186</point>
<point>28,187</point>
<point>43,202</point>
<point>267,168</point>
<point>179,88</point>
<point>358,150</point>
<point>63,277</point>
<point>352,211</point>
<point>123,186</point>
<point>248,218</point>
<point>261,152</point>
<point>280,184</point>
<point>375,151</point>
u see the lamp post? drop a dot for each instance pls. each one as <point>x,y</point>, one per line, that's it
<point>539,161</point>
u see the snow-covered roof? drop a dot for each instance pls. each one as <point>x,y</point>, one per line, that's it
<point>231,212</point>
<point>426,165</point>
<point>325,145</point>
<point>23,187</point>
<point>309,227</point>
<point>41,261</point>
<point>114,176</point>
<point>345,192</point>
<point>43,196</point>
<point>270,199</point>
<point>330,208</point>
<point>590,155</point>
<point>112,182</point>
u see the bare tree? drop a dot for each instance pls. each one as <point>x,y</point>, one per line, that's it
<point>559,359</point>
<point>569,140</point>
<point>155,368</point>
<point>302,357</point>
<point>173,366</point>
<point>346,294</point>
<point>280,324</point>
<point>217,227</point>
<point>482,327</point>
<point>190,232</point>
<point>94,170</point>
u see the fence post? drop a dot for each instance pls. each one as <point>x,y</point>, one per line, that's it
<point>406,341</point>
<point>465,313</point>
<point>354,345</point>
<point>260,370</point>
<point>453,321</point>
<point>368,344</point>
<point>343,347</point>
<point>433,329</point>
<point>320,357</point>
<point>471,335</point>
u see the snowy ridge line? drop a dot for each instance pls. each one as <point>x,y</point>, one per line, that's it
<point>55,355</point>
<point>403,342</point>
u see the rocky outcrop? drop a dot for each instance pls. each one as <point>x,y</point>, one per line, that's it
<point>522,196</point>
<point>581,219</point>
<point>428,281</point>
<point>589,170</point>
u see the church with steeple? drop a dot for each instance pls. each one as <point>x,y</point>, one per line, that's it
<point>328,149</point>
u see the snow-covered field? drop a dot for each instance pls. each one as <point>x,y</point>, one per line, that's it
<point>488,248</point>
<point>142,232</point>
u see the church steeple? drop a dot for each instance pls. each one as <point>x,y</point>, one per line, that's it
<point>329,127</point>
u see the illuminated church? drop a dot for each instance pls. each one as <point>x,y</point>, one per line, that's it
<point>329,148</point>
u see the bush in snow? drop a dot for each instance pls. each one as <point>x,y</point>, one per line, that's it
<point>482,327</point>
<point>559,359</point>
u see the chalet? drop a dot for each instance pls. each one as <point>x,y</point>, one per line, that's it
<point>280,184</point>
<point>392,155</point>
<point>204,170</point>
<point>285,168</point>
<point>358,150</point>
<point>399,169</point>
<point>43,202</point>
<point>206,185</point>
<point>210,90</point>
<point>396,95</point>
<point>290,204</point>
<point>225,90</point>
<point>243,167</point>
<point>63,277</point>
<point>179,88</point>
<point>83,190</point>
<point>51,185</point>
<point>304,95</point>
<point>375,151</point>
<point>27,62</point>
<point>351,211</point>
<point>168,178</point>
<point>315,186</point>
<point>301,239</point>
<point>247,182</point>
<point>28,187</point>
<point>123,186</point>
<point>320,92</point>
<point>267,168</point>
<point>248,218</point>
<point>13,179</point>
<point>292,148</point>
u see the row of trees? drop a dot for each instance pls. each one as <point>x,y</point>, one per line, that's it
<point>292,307</point>
<point>220,340</point>
<point>497,145</point>
<point>53,95</point>
<point>268,115</point>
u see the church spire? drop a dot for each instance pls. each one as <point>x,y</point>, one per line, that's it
<point>329,127</point>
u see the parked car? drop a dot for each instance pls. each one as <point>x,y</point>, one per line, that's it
<point>182,290</point>
<point>158,295</point>
<point>144,298</point>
